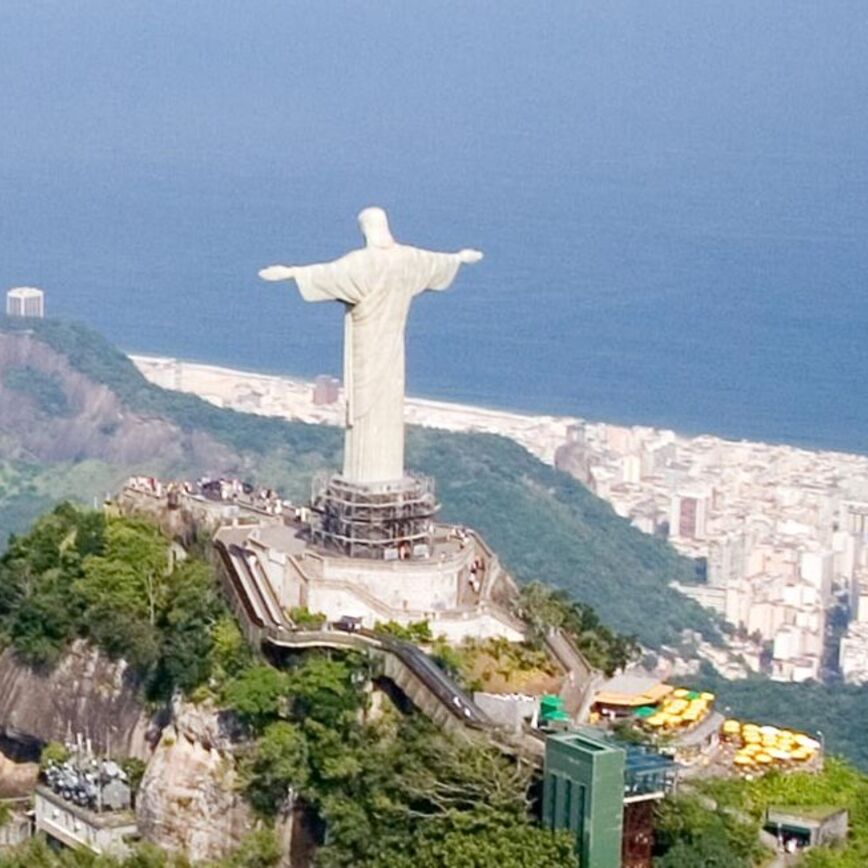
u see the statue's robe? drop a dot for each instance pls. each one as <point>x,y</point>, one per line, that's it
<point>377,285</point>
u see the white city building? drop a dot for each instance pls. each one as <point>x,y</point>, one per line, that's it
<point>25,301</point>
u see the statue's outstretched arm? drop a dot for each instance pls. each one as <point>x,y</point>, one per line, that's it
<point>440,268</point>
<point>278,272</point>
<point>323,281</point>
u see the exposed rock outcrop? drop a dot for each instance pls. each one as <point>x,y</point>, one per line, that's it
<point>189,800</point>
<point>86,419</point>
<point>85,695</point>
<point>18,770</point>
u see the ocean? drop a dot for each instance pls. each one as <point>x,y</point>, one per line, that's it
<point>692,256</point>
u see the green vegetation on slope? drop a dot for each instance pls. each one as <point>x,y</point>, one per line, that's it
<point>77,574</point>
<point>392,793</point>
<point>258,850</point>
<point>839,785</point>
<point>90,354</point>
<point>840,712</point>
<point>44,388</point>
<point>382,792</point>
<point>544,608</point>
<point>543,524</point>
<point>689,833</point>
<point>718,823</point>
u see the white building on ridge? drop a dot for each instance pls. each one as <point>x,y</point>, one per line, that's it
<point>25,301</point>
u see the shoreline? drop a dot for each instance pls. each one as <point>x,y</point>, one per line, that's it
<point>290,397</point>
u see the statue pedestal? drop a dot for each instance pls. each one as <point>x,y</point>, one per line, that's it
<point>381,521</point>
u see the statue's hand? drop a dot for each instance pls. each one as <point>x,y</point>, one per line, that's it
<point>277,272</point>
<point>468,256</point>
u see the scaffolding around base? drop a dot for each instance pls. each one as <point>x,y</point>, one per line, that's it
<point>388,521</point>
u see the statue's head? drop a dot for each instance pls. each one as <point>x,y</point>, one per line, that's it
<point>375,227</point>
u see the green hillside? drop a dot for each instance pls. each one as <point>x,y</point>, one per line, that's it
<point>544,524</point>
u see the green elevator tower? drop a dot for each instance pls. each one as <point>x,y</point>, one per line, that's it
<point>583,791</point>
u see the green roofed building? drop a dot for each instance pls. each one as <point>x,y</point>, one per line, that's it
<point>583,791</point>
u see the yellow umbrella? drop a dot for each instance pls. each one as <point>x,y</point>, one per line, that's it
<point>708,697</point>
<point>741,759</point>
<point>778,754</point>
<point>752,737</point>
<point>763,758</point>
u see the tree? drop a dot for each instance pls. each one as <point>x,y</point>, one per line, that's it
<point>690,833</point>
<point>116,612</point>
<point>191,612</point>
<point>123,589</point>
<point>515,846</point>
<point>418,632</point>
<point>259,849</point>
<point>38,609</point>
<point>705,852</point>
<point>279,764</point>
<point>145,553</point>
<point>134,769</point>
<point>545,609</point>
<point>53,753</point>
<point>230,654</point>
<point>45,619</point>
<point>324,689</point>
<point>257,695</point>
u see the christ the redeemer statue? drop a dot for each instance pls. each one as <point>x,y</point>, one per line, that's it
<point>376,284</point>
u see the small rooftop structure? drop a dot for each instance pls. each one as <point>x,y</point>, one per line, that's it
<point>808,826</point>
<point>629,691</point>
<point>25,301</point>
<point>326,390</point>
<point>77,826</point>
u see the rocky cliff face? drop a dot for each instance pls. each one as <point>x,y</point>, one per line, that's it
<point>189,800</point>
<point>51,412</point>
<point>85,695</point>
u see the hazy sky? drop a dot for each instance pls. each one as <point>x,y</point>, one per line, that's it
<point>407,86</point>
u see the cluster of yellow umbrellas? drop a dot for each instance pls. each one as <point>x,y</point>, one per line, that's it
<point>766,746</point>
<point>680,709</point>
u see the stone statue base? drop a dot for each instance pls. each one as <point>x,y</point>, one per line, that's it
<point>380,521</point>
